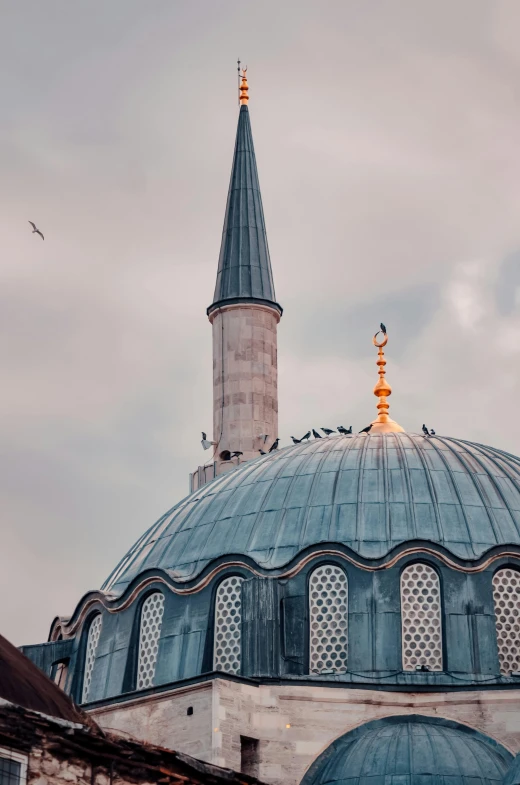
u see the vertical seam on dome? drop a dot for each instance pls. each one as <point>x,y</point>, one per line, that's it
<point>316,474</point>
<point>493,479</point>
<point>431,487</point>
<point>359,503</point>
<point>452,478</point>
<point>504,466</point>
<point>385,491</point>
<point>494,523</point>
<point>335,505</point>
<point>406,473</point>
<point>448,740</point>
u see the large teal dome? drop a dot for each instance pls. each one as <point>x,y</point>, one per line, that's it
<point>408,750</point>
<point>367,493</point>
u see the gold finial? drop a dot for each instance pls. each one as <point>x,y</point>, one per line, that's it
<point>383,423</point>
<point>244,88</point>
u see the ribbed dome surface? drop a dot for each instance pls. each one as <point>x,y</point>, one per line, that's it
<point>406,751</point>
<point>369,493</point>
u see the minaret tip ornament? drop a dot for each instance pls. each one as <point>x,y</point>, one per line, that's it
<point>244,87</point>
<point>383,423</point>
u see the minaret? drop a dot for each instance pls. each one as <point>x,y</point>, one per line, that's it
<point>244,313</point>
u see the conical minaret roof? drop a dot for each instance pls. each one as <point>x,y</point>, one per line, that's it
<point>244,266</point>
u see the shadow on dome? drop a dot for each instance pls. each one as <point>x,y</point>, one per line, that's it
<point>408,750</point>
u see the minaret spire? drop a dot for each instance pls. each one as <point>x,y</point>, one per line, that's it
<point>244,313</point>
<point>383,423</point>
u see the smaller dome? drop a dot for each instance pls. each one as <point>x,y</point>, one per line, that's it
<point>411,749</point>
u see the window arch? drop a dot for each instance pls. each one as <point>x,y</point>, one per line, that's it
<point>228,614</point>
<point>328,605</point>
<point>94,631</point>
<point>421,622</point>
<point>506,596</point>
<point>149,631</point>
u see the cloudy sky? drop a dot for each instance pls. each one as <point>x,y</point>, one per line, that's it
<point>387,139</point>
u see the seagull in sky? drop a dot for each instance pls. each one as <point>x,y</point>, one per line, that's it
<point>36,230</point>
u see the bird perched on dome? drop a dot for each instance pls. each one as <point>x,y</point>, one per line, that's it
<point>328,431</point>
<point>262,452</point>
<point>367,429</point>
<point>316,434</point>
<point>295,440</point>
<point>343,430</point>
<point>274,445</point>
<point>425,430</point>
<point>432,432</point>
<point>236,454</point>
<point>306,437</point>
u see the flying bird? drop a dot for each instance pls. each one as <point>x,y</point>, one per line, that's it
<point>36,230</point>
<point>295,440</point>
<point>432,432</point>
<point>306,437</point>
<point>367,429</point>
<point>328,431</point>
<point>206,442</point>
<point>316,434</point>
<point>382,328</point>
<point>274,445</point>
<point>425,430</point>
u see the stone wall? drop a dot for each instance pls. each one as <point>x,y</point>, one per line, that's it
<point>164,720</point>
<point>294,724</point>
<point>245,378</point>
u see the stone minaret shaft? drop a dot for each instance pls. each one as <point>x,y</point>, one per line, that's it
<point>244,313</point>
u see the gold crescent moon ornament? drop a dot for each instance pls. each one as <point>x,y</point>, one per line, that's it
<point>383,343</point>
<point>383,423</point>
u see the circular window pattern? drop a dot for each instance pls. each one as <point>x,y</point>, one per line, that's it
<point>90,655</point>
<point>421,618</point>
<point>226,654</point>
<point>328,596</point>
<point>506,594</point>
<point>151,620</point>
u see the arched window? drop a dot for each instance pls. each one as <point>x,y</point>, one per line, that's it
<point>94,631</point>
<point>421,618</point>
<point>328,603</point>
<point>506,594</point>
<point>226,652</point>
<point>149,631</point>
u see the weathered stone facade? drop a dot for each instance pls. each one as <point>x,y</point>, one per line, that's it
<point>51,751</point>
<point>245,378</point>
<point>294,724</point>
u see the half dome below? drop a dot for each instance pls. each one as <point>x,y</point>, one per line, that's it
<point>369,494</point>
<point>409,750</point>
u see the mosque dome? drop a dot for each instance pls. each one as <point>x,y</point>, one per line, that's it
<point>367,494</point>
<point>411,749</point>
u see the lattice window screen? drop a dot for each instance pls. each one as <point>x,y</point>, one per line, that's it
<point>506,594</point>
<point>226,656</point>
<point>328,599</point>
<point>151,620</point>
<point>90,655</point>
<point>421,618</point>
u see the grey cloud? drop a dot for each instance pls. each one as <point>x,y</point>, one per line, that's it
<point>386,138</point>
